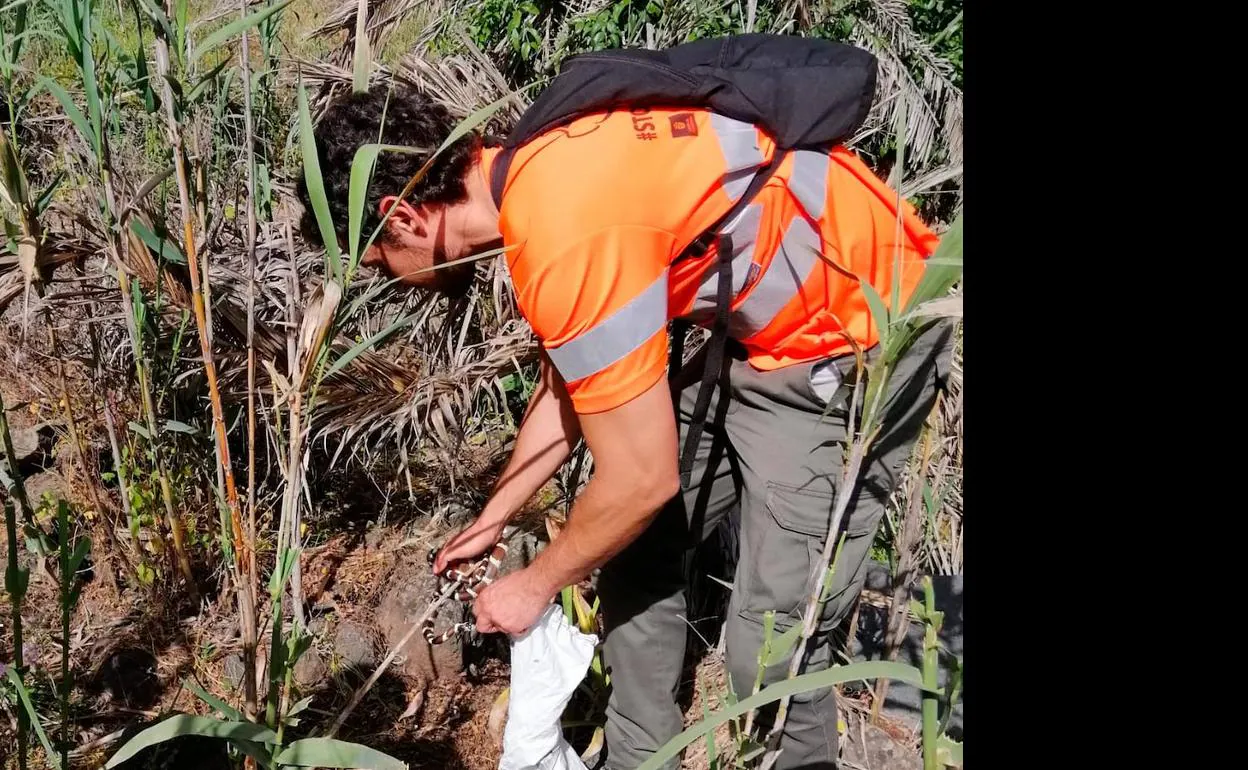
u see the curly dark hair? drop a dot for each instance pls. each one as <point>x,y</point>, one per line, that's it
<point>412,120</point>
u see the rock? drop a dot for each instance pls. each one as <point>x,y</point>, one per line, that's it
<point>50,482</point>
<point>411,589</point>
<point>232,668</point>
<point>25,443</point>
<point>353,644</point>
<point>456,515</point>
<point>879,752</point>
<point>522,548</point>
<point>310,670</point>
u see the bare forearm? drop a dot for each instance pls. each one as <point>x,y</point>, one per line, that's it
<point>547,434</point>
<point>603,521</point>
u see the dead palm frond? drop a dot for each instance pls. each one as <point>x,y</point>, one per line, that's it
<point>930,101</point>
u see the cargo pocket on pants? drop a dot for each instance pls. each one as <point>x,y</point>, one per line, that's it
<point>788,543</point>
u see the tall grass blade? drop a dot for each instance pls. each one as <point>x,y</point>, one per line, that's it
<point>369,343</point>
<point>316,185</point>
<point>234,28</point>
<point>185,724</point>
<point>363,56</point>
<point>879,313</point>
<point>226,709</point>
<point>90,86</point>
<point>71,111</point>
<point>328,752</point>
<point>944,268</point>
<point>782,645</point>
<point>19,27</point>
<point>15,585</point>
<point>362,166</point>
<point>157,15</point>
<point>836,675</point>
<point>24,695</point>
<point>166,248</point>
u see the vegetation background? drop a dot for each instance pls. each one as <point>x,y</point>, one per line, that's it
<point>227,453</point>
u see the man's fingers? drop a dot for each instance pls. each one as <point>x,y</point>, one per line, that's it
<point>450,554</point>
<point>459,548</point>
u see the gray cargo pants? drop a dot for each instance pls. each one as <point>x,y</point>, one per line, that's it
<point>771,450</point>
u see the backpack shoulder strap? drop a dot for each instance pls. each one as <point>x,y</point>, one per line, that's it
<point>698,246</point>
<point>498,174</point>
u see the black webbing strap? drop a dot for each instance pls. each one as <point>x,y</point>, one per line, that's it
<point>498,174</point>
<point>714,359</point>
<point>719,328</point>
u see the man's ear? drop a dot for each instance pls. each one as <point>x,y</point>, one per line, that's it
<point>405,216</point>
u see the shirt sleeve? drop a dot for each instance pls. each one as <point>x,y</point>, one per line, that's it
<point>599,308</point>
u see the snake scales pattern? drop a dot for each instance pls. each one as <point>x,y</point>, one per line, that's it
<point>472,577</point>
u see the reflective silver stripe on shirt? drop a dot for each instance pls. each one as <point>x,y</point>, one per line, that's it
<point>781,281</point>
<point>744,232</point>
<point>615,336</point>
<point>742,155</point>
<point>809,182</point>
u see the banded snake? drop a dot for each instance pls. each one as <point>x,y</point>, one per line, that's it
<point>470,577</point>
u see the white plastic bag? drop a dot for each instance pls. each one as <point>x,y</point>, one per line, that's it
<point>547,663</point>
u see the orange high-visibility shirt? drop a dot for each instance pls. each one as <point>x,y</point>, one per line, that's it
<point>596,212</point>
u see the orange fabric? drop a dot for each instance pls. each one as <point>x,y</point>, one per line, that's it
<point>596,211</point>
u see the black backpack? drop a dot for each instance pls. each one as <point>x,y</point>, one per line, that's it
<point>806,93</point>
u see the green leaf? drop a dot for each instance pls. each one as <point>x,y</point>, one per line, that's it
<point>16,580</point>
<point>158,15</point>
<point>19,27</point>
<point>367,344</point>
<point>363,57</point>
<point>362,166</point>
<point>199,88</point>
<point>782,645</point>
<point>180,9</point>
<point>235,28</point>
<point>90,87</point>
<point>139,429</point>
<point>327,752</point>
<point>256,751</point>
<point>81,549</point>
<point>918,610</point>
<point>879,313</point>
<point>279,576</point>
<point>316,184</point>
<point>71,111</point>
<point>836,675</point>
<point>185,724</point>
<point>212,700</point>
<point>944,268</point>
<point>45,197</point>
<point>300,706</point>
<point>35,721</point>
<point>750,749</point>
<point>162,246</point>
<point>948,751</point>
<point>179,427</point>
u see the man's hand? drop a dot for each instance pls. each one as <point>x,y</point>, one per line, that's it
<point>512,604</point>
<point>469,544</point>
